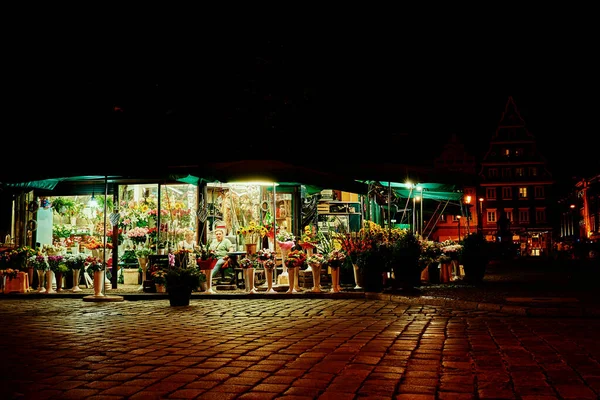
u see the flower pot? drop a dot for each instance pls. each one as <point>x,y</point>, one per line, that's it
<point>179,295</point>
<point>130,276</point>
<point>160,288</point>
<point>250,248</point>
<point>205,265</point>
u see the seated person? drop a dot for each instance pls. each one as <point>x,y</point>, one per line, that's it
<point>188,242</point>
<point>221,245</point>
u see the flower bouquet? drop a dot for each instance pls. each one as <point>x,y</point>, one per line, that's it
<point>138,235</point>
<point>159,276</point>
<point>251,233</point>
<point>250,261</point>
<point>295,259</point>
<point>266,257</point>
<point>9,273</point>
<point>93,264</point>
<point>335,258</point>
<point>309,239</point>
<point>39,262</point>
<point>55,262</point>
<point>315,260</point>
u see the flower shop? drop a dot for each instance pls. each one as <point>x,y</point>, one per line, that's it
<point>288,230</point>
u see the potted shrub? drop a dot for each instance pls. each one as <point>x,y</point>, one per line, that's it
<point>474,256</point>
<point>404,254</point>
<point>180,281</point>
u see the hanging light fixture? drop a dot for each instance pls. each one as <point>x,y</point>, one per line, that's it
<point>92,203</point>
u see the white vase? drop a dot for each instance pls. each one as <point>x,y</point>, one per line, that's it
<point>292,273</point>
<point>98,283</point>
<point>143,261</point>
<point>49,279</point>
<point>316,274</point>
<point>76,273</point>
<point>249,280</point>
<point>357,277</point>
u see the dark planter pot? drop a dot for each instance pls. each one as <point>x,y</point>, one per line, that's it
<point>474,269</point>
<point>372,280</point>
<point>179,296</point>
<point>407,275</point>
<point>434,272</point>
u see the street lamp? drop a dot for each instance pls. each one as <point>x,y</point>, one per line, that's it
<point>480,216</point>
<point>468,203</point>
<point>458,223</point>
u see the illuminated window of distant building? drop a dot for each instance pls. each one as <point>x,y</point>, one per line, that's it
<point>507,193</point>
<point>523,192</point>
<point>509,214</point>
<point>519,171</point>
<point>506,172</point>
<point>506,152</point>
<point>540,215</point>
<point>491,215</point>
<point>490,193</point>
<point>533,171</point>
<point>492,172</point>
<point>443,218</point>
<point>539,192</point>
<point>518,152</point>
<point>523,215</point>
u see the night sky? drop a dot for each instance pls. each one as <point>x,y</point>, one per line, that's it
<point>368,96</point>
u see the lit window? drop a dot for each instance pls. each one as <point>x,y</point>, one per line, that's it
<point>522,192</point>
<point>491,215</point>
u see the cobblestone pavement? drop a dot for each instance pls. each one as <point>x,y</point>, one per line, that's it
<point>300,348</point>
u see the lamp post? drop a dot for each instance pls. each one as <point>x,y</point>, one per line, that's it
<point>458,223</point>
<point>468,203</point>
<point>480,216</point>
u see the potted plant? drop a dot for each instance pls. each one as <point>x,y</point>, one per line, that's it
<point>403,259</point>
<point>474,257</point>
<point>180,281</point>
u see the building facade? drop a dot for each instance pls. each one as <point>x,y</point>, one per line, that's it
<point>515,193</point>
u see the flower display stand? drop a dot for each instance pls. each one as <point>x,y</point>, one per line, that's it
<point>76,288</point>
<point>292,273</point>
<point>41,274</point>
<point>143,261</point>
<point>49,281</point>
<point>316,274</point>
<point>269,280</point>
<point>207,266</point>
<point>335,280</point>
<point>358,277</point>
<point>98,283</point>
<point>249,280</point>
